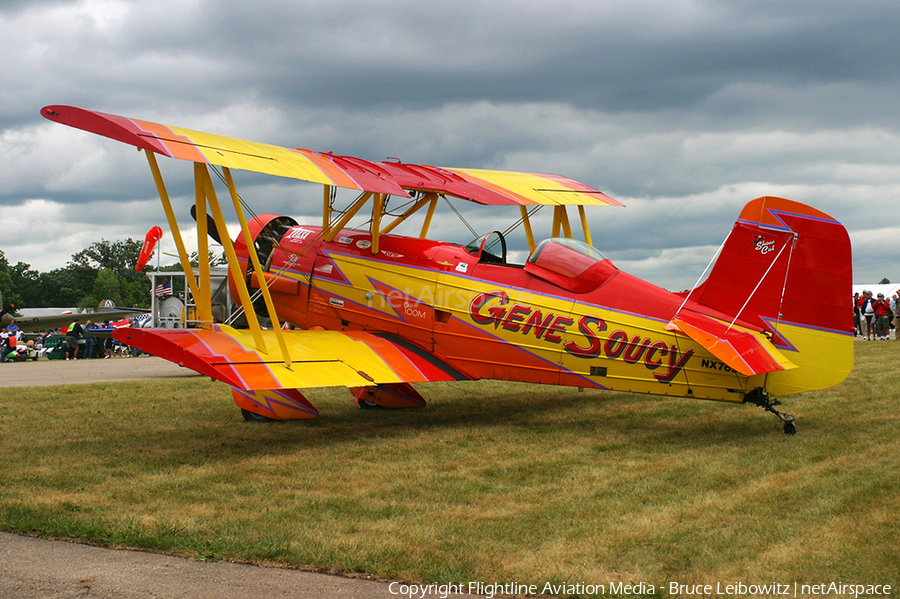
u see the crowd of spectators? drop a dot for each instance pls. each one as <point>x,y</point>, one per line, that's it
<point>875,317</point>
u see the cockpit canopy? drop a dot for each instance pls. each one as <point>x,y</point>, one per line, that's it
<point>570,264</point>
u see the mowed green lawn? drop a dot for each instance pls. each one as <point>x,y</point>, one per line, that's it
<point>492,482</point>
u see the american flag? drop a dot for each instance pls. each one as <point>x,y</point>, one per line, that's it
<point>164,289</point>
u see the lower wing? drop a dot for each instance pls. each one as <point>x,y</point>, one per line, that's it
<point>317,358</point>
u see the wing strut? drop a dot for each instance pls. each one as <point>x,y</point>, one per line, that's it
<point>257,267</point>
<point>428,197</point>
<point>375,227</point>
<point>326,206</point>
<point>561,221</point>
<point>205,194</point>
<point>428,216</point>
<point>173,224</point>
<point>237,275</point>
<point>561,217</point>
<point>529,234</point>
<point>584,225</point>
<point>335,228</point>
<point>204,301</point>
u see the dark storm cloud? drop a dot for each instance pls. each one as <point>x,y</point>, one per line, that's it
<point>666,56</point>
<point>606,57</point>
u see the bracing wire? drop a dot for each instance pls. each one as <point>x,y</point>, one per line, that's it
<point>460,216</point>
<point>521,220</point>
<point>703,274</point>
<point>761,279</point>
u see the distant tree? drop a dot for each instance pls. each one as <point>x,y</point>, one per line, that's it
<point>19,284</point>
<point>7,288</point>
<point>65,287</point>
<point>104,270</point>
<point>106,286</point>
<point>27,283</point>
<point>119,258</point>
<point>884,282</point>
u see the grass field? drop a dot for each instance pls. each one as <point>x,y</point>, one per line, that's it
<point>492,482</point>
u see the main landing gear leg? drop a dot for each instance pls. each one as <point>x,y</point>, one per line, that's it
<point>759,398</point>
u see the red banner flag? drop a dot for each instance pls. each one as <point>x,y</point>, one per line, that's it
<point>153,235</point>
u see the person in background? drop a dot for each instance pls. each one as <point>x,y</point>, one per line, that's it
<point>895,306</point>
<point>5,348</point>
<point>867,315</point>
<point>9,340</point>
<point>74,331</point>
<point>88,341</point>
<point>882,311</point>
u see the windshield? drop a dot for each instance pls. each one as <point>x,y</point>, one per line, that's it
<point>490,248</point>
<point>568,257</point>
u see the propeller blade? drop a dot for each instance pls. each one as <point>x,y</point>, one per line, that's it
<point>210,225</point>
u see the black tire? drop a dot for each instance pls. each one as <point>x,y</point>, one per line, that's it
<point>254,417</point>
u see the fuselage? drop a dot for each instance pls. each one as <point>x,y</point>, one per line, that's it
<point>559,319</point>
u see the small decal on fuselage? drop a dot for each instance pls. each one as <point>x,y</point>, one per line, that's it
<point>716,365</point>
<point>299,234</point>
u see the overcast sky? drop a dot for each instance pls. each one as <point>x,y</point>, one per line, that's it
<point>681,110</point>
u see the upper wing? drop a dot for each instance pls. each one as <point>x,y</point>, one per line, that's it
<point>747,352</point>
<point>318,358</point>
<point>196,146</point>
<point>538,188</point>
<point>482,186</point>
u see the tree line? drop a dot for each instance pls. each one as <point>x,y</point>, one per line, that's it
<point>104,270</point>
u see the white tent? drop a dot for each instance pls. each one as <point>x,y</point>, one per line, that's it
<point>888,289</point>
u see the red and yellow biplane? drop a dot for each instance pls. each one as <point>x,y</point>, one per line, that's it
<point>379,311</point>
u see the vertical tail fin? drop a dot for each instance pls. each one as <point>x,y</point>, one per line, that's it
<point>786,268</point>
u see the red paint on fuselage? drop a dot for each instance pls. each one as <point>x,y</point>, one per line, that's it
<point>548,324</point>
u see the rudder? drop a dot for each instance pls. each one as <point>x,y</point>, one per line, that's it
<point>786,268</point>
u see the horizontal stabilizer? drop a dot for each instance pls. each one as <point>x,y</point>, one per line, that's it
<point>318,358</point>
<point>748,352</point>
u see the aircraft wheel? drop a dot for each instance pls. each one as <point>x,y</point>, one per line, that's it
<point>789,428</point>
<point>254,417</point>
<point>367,405</point>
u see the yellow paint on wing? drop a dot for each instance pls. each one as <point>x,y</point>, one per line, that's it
<point>320,359</point>
<point>534,188</point>
<point>246,155</point>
